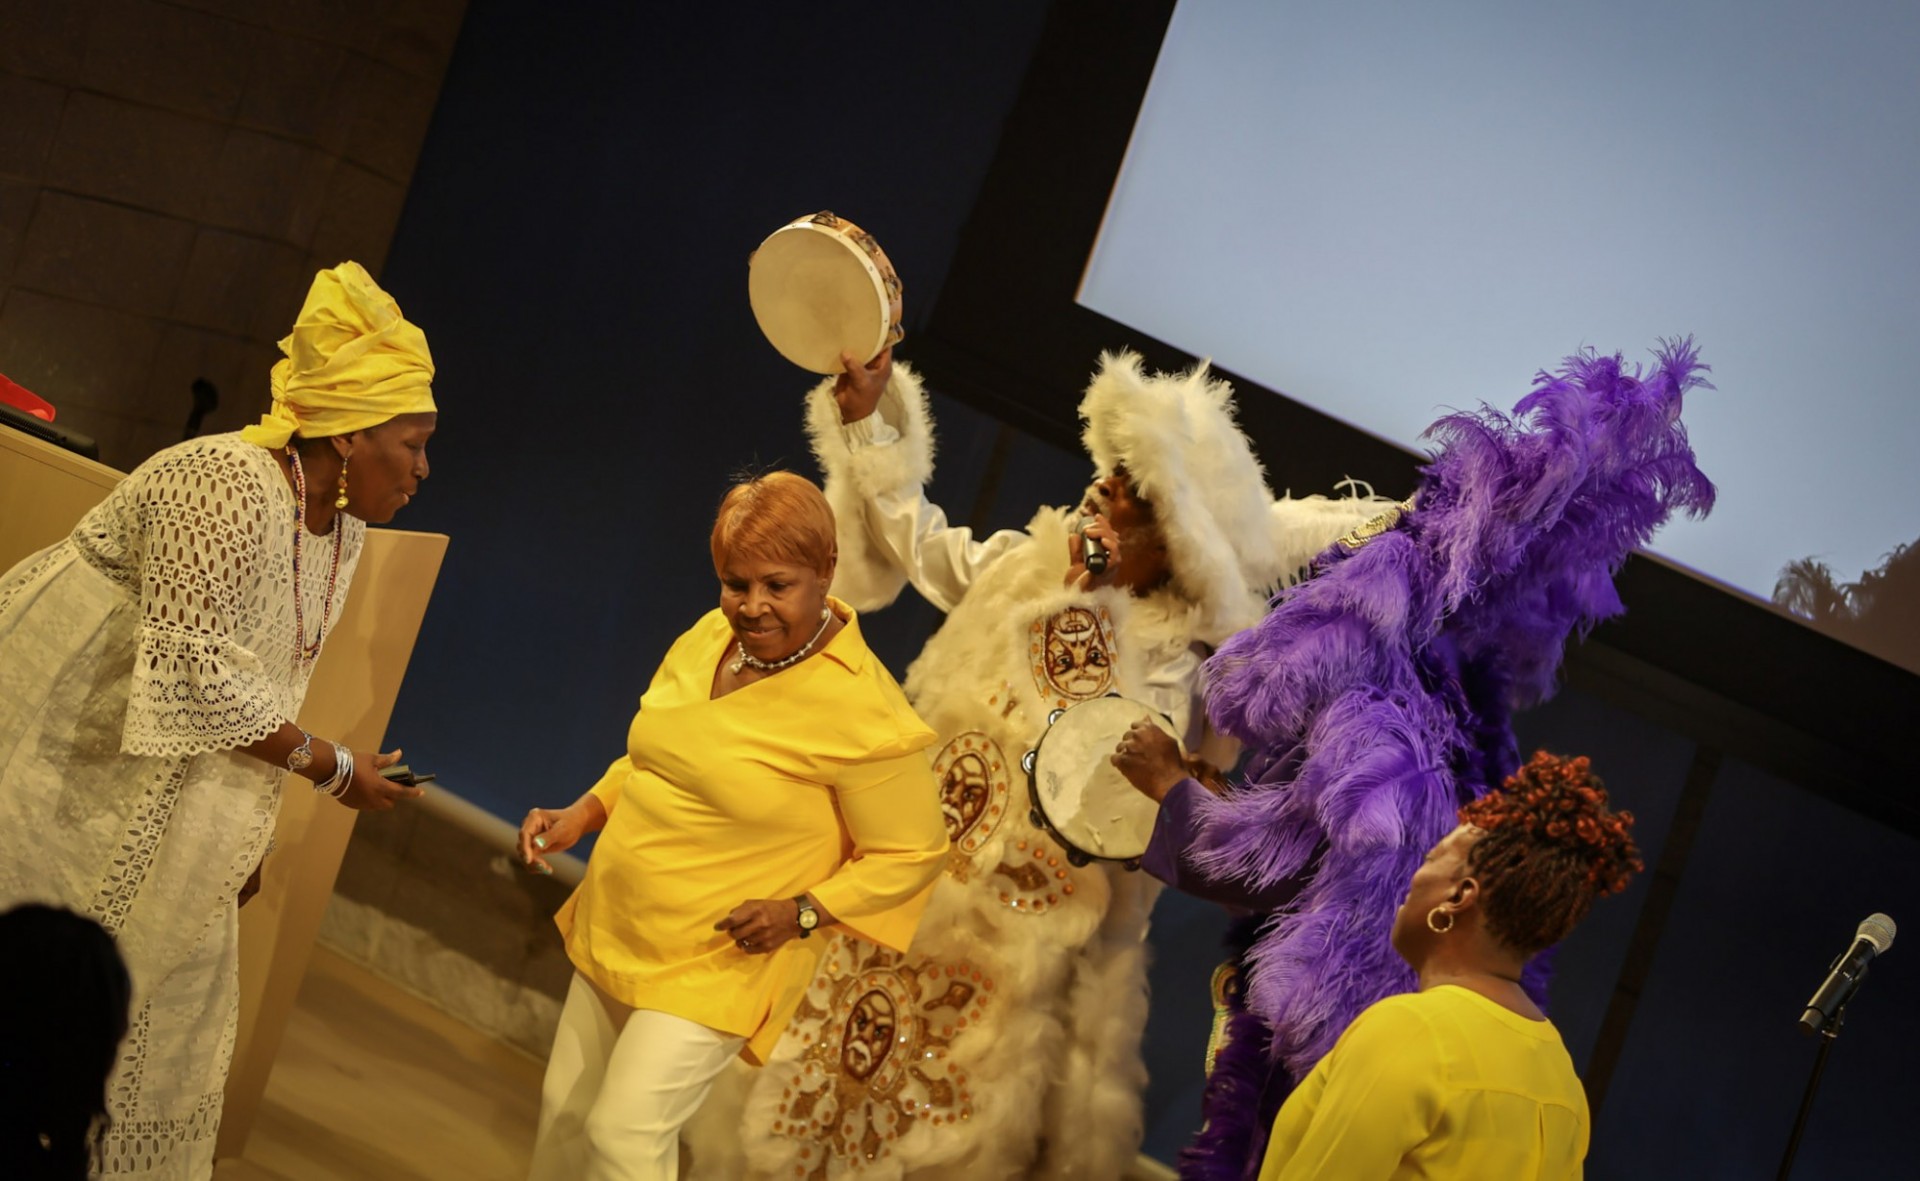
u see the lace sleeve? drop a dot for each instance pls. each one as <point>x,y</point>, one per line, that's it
<point>202,518</point>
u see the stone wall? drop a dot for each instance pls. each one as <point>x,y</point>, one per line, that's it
<point>172,174</point>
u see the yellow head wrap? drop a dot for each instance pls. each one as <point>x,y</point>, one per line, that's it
<point>352,361</point>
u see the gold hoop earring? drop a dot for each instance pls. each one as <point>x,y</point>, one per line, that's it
<point>340,501</point>
<point>1435,927</point>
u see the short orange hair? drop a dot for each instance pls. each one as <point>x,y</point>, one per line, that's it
<point>778,516</point>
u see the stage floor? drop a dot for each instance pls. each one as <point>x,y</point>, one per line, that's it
<point>374,1084</point>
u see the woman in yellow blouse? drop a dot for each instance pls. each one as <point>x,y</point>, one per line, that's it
<point>774,783</point>
<point>1466,1079</point>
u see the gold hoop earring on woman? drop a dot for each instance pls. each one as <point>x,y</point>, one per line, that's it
<point>1435,927</point>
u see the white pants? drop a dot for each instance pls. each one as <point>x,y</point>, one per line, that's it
<point>620,1084</point>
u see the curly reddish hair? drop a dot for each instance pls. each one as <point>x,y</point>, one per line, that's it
<point>1549,847</point>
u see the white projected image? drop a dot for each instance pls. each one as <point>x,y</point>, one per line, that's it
<point>1388,210</point>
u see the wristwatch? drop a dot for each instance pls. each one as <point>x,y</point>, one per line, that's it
<point>301,757</point>
<point>809,917</point>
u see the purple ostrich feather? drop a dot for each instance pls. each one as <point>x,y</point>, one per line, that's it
<point>1392,674</point>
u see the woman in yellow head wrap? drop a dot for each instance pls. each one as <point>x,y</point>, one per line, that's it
<point>357,377</point>
<point>151,666</point>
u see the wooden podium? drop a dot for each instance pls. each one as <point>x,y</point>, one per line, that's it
<point>43,493</point>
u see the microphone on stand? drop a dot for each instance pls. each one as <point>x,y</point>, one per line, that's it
<point>1824,1011</point>
<point>1873,938</point>
<point>1091,551</point>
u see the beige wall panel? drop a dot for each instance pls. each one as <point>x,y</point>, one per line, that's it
<point>350,700</point>
<point>44,491</point>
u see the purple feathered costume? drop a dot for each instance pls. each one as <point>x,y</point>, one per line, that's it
<point>1376,699</point>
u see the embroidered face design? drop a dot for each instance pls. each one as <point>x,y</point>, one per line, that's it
<point>888,1070</point>
<point>963,794</point>
<point>973,790</point>
<point>1075,659</point>
<point>868,1036</point>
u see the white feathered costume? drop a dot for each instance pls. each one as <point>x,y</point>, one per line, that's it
<point>1007,1043</point>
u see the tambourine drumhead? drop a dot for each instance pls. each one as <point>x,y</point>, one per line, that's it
<point>1083,796</point>
<point>821,286</point>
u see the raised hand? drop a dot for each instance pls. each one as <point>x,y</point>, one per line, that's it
<point>858,390</point>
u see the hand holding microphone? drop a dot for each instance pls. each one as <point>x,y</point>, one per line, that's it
<point>1093,555</point>
<point>1092,550</point>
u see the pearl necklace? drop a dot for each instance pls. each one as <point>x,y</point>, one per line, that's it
<point>743,657</point>
<point>305,653</point>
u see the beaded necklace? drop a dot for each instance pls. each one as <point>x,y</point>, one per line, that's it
<point>304,653</point>
<point>744,657</point>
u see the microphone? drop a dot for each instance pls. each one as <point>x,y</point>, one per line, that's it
<point>205,398</point>
<point>1093,553</point>
<point>1873,938</point>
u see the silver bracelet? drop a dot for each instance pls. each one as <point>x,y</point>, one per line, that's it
<point>343,758</point>
<point>335,785</point>
<point>301,757</point>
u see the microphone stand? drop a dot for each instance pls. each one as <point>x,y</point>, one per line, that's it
<point>1828,1035</point>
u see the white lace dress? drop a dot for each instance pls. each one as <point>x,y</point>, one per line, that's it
<point>135,656</point>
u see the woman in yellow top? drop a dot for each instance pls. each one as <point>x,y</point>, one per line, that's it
<point>1466,1079</point>
<point>774,783</point>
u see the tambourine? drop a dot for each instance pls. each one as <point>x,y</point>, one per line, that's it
<point>1080,798</point>
<point>821,286</point>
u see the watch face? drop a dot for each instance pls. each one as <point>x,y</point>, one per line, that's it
<point>809,918</point>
